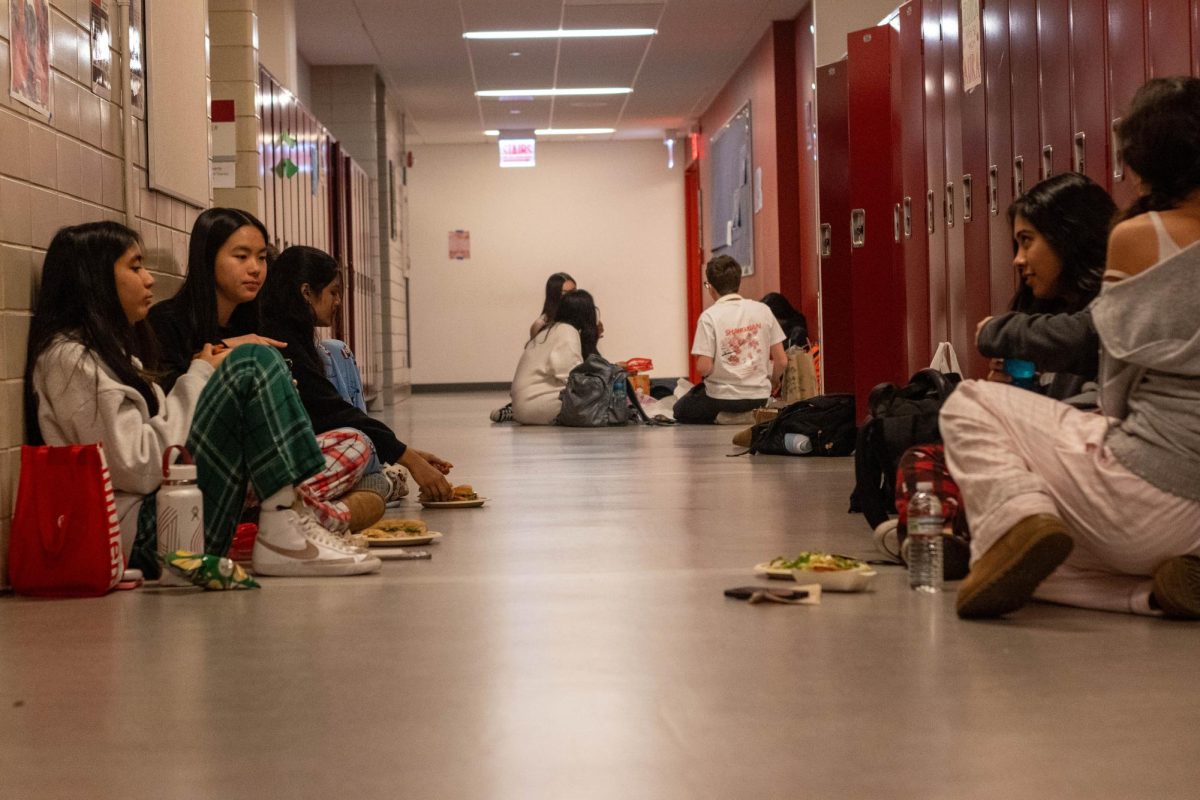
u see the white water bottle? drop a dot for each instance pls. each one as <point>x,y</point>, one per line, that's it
<point>797,443</point>
<point>180,510</point>
<point>924,545</point>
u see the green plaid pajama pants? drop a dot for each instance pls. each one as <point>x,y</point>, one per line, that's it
<point>249,427</point>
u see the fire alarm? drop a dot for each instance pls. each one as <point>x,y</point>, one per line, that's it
<point>410,159</point>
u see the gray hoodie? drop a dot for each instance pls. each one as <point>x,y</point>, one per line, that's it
<point>1150,371</point>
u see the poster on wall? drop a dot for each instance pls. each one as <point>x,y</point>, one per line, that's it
<point>460,245</point>
<point>29,53</point>
<point>972,48</point>
<point>137,63</point>
<point>736,190</point>
<point>101,51</point>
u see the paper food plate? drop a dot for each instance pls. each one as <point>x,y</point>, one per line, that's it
<point>405,541</point>
<point>843,580</point>
<point>476,503</point>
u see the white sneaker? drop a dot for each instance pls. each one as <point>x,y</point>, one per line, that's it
<point>395,475</point>
<point>887,540</point>
<point>291,543</point>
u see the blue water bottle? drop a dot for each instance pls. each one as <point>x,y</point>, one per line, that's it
<point>1022,372</point>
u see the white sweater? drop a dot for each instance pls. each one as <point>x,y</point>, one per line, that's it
<point>542,374</point>
<point>81,402</point>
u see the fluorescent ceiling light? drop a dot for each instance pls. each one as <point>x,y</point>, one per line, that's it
<point>549,92</point>
<point>563,132</point>
<point>560,33</point>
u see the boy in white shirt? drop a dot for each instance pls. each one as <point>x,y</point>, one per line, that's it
<point>738,349</point>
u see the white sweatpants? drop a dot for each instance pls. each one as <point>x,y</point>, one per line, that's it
<point>1015,453</point>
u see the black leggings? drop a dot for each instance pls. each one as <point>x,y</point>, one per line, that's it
<point>697,408</point>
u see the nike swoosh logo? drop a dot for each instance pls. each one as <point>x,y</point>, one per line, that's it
<point>306,553</point>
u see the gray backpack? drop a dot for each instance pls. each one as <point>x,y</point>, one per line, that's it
<point>596,395</point>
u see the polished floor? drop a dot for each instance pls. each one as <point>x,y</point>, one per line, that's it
<point>570,640</point>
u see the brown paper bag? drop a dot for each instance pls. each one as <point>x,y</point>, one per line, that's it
<point>799,377</point>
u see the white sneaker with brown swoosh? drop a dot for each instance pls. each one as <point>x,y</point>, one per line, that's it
<point>291,543</point>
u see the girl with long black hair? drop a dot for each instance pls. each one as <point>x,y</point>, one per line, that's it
<point>550,356</point>
<point>303,292</point>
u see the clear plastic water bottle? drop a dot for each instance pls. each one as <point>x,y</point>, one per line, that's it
<point>925,540</point>
<point>797,443</point>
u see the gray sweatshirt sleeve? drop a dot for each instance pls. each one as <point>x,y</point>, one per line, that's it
<point>1055,342</point>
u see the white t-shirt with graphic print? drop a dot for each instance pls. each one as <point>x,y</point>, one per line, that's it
<point>737,334</point>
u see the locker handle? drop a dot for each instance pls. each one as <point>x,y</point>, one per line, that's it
<point>907,217</point>
<point>858,228</point>
<point>896,223</point>
<point>1118,162</point>
<point>929,212</point>
<point>993,190</point>
<point>968,186</point>
<point>1018,176</point>
<point>950,205</point>
<point>1080,152</point>
<point>1047,161</point>
<point>826,240</point>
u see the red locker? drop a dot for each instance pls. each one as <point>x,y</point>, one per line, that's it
<point>1054,86</point>
<point>1023,53</point>
<point>1126,72</point>
<point>833,161</point>
<point>877,278</point>
<point>1000,153</point>
<point>973,215</point>
<point>914,240</point>
<point>810,279</point>
<point>1168,38</point>
<point>935,172</point>
<point>953,201</point>
<point>1089,96</point>
<point>1196,38</point>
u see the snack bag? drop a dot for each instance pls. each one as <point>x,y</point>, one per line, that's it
<point>208,571</point>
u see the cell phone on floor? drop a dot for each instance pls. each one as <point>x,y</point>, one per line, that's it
<point>745,592</point>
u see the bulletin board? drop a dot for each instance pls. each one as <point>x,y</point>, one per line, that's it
<point>733,191</point>
<point>177,126</point>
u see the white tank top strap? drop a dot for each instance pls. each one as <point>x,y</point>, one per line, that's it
<point>1166,245</point>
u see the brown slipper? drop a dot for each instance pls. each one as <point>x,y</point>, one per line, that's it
<point>1009,572</point>
<point>1177,587</point>
<point>742,438</point>
<point>366,508</point>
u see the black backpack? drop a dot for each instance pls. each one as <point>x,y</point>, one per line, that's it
<point>827,420</point>
<point>598,395</point>
<point>900,417</point>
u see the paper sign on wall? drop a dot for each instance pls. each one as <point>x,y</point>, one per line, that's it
<point>460,245</point>
<point>972,35</point>
<point>223,114</point>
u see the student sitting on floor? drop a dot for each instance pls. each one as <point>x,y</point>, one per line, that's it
<point>1103,510</point>
<point>1060,232</point>
<point>738,349</point>
<point>235,409</point>
<point>303,291</point>
<point>557,285</point>
<point>218,304</point>
<point>550,356</point>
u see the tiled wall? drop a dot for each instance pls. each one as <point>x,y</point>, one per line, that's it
<point>234,57</point>
<point>352,102</point>
<point>64,171</point>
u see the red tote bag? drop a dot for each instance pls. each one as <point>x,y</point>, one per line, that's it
<point>66,539</point>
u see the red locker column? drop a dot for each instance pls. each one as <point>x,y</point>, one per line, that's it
<point>1168,38</point>
<point>973,216</point>
<point>1196,38</point>
<point>1054,86</point>
<point>833,165</point>
<point>1000,152</point>
<point>1089,96</point>
<point>915,241</point>
<point>952,195</point>
<point>810,280</point>
<point>1023,55</point>
<point>935,172</point>
<point>876,282</point>
<point>1126,72</point>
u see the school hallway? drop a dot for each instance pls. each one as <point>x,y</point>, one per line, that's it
<point>570,640</point>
